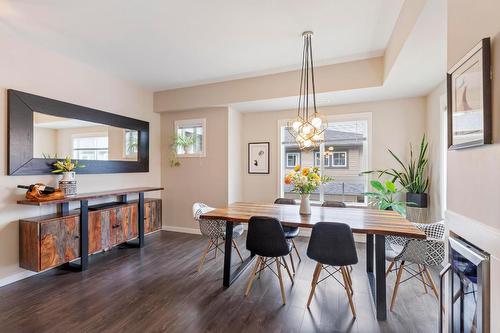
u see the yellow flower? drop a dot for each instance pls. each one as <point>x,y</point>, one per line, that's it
<point>297,168</point>
<point>305,171</point>
<point>316,176</point>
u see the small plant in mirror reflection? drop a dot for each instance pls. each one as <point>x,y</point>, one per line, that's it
<point>67,165</point>
<point>180,141</point>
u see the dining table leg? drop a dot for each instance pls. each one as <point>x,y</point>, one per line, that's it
<point>229,277</point>
<point>377,280</point>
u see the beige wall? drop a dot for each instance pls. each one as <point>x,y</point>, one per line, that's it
<point>343,76</point>
<point>45,141</point>
<point>235,158</point>
<point>197,179</point>
<point>38,71</point>
<point>395,123</point>
<point>473,174</point>
<point>434,130</point>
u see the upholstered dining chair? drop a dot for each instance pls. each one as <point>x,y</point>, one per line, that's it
<point>215,230</point>
<point>266,239</point>
<point>290,232</point>
<point>415,256</point>
<point>338,204</point>
<point>332,246</point>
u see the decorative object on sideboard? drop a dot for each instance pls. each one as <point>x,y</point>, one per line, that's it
<point>385,196</point>
<point>258,158</point>
<point>41,192</point>
<point>469,99</point>
<point>305,181</point>
<point>180,141</point>
<point>412,176</point>
<point>67,168</point>
<point>309,126</point>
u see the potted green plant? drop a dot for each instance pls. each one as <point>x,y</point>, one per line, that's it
<point>67,168</point>
<point>412,176</point>
<point>180,141</point>
<point>385,196</point>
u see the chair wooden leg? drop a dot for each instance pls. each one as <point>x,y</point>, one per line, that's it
<point>291,260</point>
<point>204,255</point>
<point>421,271</point>
<point>349,279</point>
<point>252,276</point>
<point>396,285</point>
<point>348,292</point>
<point>391,264</point>
<point>262,266</point>
<point>431,281</point>
<point>296,250</point>
<point>237,250</point>
<point>287,269</point>
<point>280,278</point>
<point>314,282</point>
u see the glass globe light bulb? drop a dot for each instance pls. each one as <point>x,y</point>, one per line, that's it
<point>296,125</point>
<point>307,129</point>
<point>307,143</point>
<point>316,122</point>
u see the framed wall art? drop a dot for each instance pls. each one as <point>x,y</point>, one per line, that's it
<point>469,99</point>
<point>258,158</point>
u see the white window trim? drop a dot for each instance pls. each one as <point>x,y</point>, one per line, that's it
<point>366,162</point>
<point>297,160</point>
<point>332,159</point>
<point>193,122</point>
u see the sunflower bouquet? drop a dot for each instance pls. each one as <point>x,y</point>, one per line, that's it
<point>305,180</point>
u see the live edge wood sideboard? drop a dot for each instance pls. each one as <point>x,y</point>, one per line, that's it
<point>61,238</point>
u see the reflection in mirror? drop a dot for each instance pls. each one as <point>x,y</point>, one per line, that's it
<point>57,137</point>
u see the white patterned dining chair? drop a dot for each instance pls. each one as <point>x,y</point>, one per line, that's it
<point>215,230</point>
<point>415,256</point>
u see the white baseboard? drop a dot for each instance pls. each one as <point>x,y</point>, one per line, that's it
<point>16,277</point>
<point>194,231</point>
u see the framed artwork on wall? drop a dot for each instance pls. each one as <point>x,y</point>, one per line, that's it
<point>469,99</point>
<point>258,158</point>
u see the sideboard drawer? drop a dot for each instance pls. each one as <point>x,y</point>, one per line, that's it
<point>59,242</point>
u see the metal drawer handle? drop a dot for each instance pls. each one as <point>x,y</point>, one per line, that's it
<point>441,301</point>
<point>115,226</point>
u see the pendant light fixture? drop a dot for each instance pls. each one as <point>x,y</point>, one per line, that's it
<point>309,126</point>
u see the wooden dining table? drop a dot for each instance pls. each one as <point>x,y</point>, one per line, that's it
<point>375,224</point>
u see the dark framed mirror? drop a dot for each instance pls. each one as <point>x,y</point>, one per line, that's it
<point>43,130</point>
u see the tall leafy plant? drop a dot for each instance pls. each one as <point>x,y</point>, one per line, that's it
<point>413,175</point>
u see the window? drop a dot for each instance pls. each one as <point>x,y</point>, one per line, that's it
<point>190,136</point>
<point>292,159</point>
<point>339,159</point>
<point>343,156</point>
<point>90,147</point>
<point>131,143</point>
<point>317,161</point>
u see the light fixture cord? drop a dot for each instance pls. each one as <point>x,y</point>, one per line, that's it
<point>312,78</point>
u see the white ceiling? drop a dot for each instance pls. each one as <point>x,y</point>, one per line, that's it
<point>162,44</point>
<point>420,67</point>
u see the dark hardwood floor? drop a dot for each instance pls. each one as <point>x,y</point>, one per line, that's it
<point>157,289</point>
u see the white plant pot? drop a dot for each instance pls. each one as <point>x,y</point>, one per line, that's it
<point>67,184</point>
<point>305,204</point>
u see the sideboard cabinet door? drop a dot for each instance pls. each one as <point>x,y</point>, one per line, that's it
<point>59,242</point>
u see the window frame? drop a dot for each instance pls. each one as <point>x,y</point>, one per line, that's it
<point>126,155</point>
<point>297,159</point>
<point>366,162</point>
<point>193,123</point>
<point>332,160</point>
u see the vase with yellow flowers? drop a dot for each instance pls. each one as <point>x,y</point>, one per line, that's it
<point>67,168</point>
<point>305,181</point>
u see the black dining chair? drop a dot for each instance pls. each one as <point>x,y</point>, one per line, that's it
<point>290,232</point>
<point>266,239</point>
<point>332,246</point>
<point>338,204</point>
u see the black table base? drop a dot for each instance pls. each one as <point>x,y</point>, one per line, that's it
<point>230,277</point>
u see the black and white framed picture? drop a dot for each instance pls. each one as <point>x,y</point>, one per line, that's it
<point>469,99</point>
<point>258,157</point>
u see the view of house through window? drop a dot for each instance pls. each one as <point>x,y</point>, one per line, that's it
<point>345,157</point>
